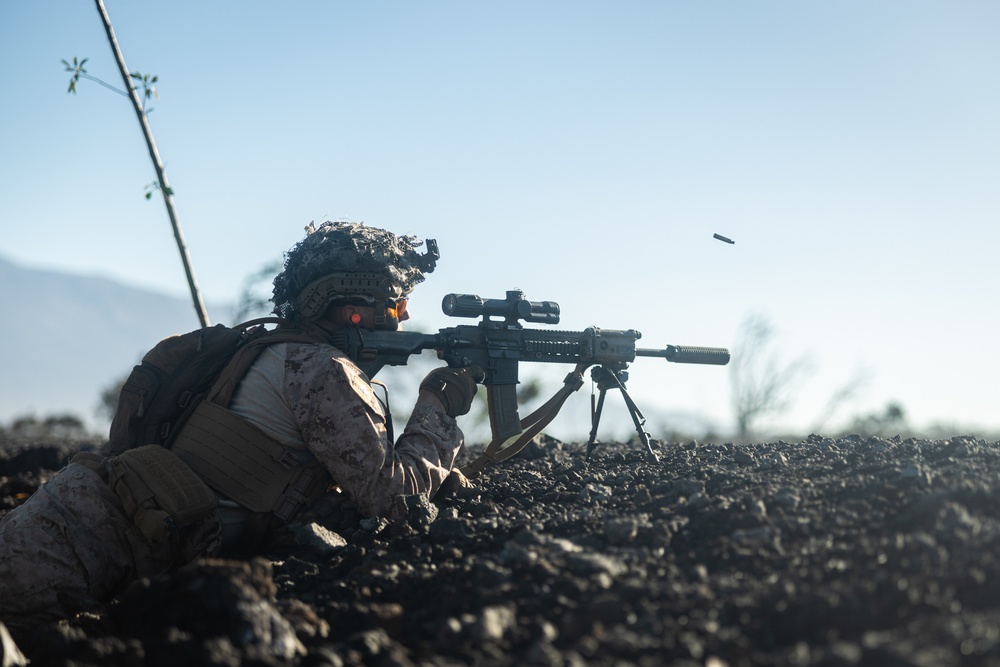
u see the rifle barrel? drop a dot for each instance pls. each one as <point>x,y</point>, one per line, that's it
<point>688,354</point>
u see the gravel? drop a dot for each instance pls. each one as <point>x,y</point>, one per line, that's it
<point>831,551</point>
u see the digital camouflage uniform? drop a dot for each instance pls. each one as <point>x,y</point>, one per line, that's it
<point>67,547</point>
<point>315,401</point>
<point>71,544</point>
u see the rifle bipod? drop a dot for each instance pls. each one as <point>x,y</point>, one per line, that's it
<point>607,377</point>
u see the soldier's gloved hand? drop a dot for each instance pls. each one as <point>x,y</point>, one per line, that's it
<point>454,387</point>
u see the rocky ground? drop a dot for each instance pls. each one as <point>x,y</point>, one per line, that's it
<point>834,552</point>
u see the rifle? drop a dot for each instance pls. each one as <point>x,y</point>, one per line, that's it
<point>499,345</point>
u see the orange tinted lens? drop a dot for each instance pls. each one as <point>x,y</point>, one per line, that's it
<point>397,310</point>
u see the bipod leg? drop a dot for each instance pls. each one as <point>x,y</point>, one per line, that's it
<point>637,418</point>
<point>595,420</point>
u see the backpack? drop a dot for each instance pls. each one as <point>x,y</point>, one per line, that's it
<point>173,377</point>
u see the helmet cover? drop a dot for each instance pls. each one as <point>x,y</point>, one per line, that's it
<point>348,260</point>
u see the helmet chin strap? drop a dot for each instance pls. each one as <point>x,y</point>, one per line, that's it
<point>382,318</point>
<point>384,322</point>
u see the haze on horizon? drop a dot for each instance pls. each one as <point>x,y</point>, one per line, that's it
<point>582,152</point>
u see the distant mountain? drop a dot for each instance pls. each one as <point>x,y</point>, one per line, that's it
<point>67,337</point>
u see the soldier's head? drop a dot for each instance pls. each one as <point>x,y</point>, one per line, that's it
<point>348,273</point>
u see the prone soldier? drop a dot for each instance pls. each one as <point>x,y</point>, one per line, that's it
<point>106,520</point>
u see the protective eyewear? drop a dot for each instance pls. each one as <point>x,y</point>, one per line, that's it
<point>396,309</point>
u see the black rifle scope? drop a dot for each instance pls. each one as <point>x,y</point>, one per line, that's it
<point>515,307</point>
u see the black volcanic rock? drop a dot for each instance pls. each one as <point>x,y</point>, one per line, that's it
<point>827,552</point>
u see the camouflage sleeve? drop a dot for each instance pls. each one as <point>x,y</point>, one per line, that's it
<point>343,425</point>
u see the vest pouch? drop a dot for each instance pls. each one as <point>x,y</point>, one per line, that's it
<point>246,465</point>
<point>94,461</point>
<point>169,504</point>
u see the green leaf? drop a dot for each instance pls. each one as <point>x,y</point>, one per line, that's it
<point>65,63</point>
<point>83,61</point>
<point>169,191</point>
<point>148,195</point>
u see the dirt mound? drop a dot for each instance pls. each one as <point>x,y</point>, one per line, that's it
<point>854,551</point>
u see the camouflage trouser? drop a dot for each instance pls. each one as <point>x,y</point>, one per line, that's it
<point>69,546</point>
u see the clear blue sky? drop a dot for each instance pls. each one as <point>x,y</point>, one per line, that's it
<point>584,152</point>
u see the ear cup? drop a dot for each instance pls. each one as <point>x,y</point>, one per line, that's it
<point>355,318</point>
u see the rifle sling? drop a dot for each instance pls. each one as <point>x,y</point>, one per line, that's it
<point>531,426</point>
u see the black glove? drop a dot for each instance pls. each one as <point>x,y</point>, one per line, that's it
<point>454,387</point>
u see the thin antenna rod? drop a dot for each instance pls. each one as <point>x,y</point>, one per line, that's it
<point>154,155</point>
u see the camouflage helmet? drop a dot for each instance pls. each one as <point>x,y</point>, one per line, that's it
<point>348,260</point>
